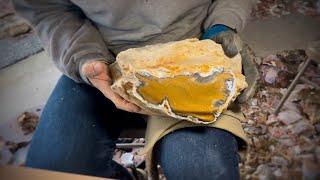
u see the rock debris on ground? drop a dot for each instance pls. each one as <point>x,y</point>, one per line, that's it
<point>13,151</point>
<point>286,145</point>
<point>28,122</point>
<point>278,8</point>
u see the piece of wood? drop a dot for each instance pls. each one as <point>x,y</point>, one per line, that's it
<point>23,173</point>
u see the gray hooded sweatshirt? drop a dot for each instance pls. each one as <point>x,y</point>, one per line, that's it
<point>76,31</point>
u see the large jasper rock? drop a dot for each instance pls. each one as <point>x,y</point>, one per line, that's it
<point>191,80</point>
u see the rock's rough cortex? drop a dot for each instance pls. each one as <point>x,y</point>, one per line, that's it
<point>190,79</point>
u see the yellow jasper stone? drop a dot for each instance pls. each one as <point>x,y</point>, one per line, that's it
<point>191,80</point>
<point>187,95</point>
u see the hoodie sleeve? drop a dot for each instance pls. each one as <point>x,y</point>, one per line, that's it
<point>66,34</point>
<point>232,13</point>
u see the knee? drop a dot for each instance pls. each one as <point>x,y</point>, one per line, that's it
<point>83,155</point>
<point>198,154</point>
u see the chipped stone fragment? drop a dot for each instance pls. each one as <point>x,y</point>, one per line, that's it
<point>310,170</point>
<point>289,116</point>
<point>301,127</point>
<point>264,172</point>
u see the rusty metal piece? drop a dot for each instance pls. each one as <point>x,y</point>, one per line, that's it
<point>313,53</point>
<point>292,86</point>
<point>129,145</point>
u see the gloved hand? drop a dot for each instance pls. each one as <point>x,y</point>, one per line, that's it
<point>250,70</point>
<point>232,45</point>
<point>227,37</point>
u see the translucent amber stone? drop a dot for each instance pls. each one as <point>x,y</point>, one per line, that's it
<point>190,79</point>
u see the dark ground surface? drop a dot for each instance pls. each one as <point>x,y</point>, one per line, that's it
<point>17,40</point>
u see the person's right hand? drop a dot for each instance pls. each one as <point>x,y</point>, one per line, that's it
<point>232,45</point>
<point>98,74</point>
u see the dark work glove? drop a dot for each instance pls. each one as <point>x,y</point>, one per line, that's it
<point>232,45</point>
<point>227,37</point>
<point>250,70</point>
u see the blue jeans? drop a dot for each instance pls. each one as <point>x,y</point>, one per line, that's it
<point>79,126</point>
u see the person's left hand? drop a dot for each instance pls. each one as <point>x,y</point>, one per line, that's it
<point>230,42</point>
<point>250,70</point>
<point>232,45</point>
<point>227,37</point>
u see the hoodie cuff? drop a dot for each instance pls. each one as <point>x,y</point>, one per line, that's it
<point>215,30</point>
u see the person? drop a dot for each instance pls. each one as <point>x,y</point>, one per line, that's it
<point>83,117</point>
